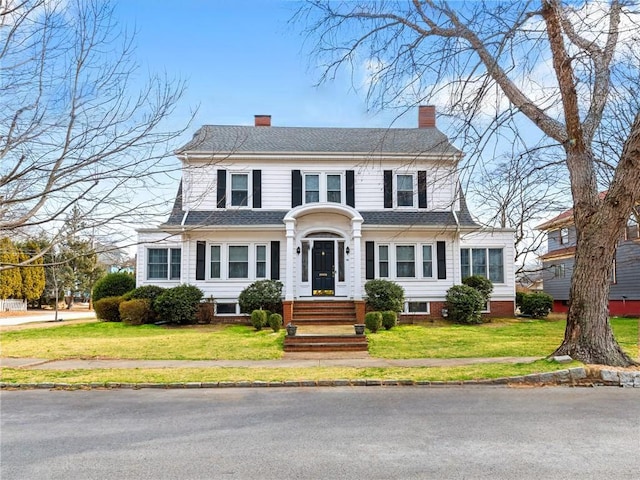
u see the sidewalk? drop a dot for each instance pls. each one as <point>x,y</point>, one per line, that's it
<point>288,361</point>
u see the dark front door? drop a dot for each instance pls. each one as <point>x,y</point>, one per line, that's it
<point>322,268</point>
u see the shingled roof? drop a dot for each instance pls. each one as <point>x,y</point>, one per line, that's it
<point>251,139</point>
<point>242,217</point>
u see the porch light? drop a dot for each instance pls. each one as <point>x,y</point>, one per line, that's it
<point>347,250</point>
<point>298,250</point>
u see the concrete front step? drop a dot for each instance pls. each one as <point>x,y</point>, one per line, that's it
<point>326,347</point>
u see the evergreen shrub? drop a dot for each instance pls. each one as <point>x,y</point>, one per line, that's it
<point>373,321</point>
<point>178,304</point>
<point>464,304</point>
<point>275,322</point>
<point>536,305</point>
<point>384,295</point>
<point>136,311</point>
<point>113,285</point>
<point>389,319</point>
<point>261,295</point>
<point>481,284</point>
<point>108,309</point>
<point>259,319</point>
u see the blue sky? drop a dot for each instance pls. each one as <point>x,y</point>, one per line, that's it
<point>241,58</point>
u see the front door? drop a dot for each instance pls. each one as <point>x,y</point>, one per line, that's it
<point>323,268</point>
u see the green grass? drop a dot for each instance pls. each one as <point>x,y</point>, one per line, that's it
<point>513,338</point>
<point>146,342</point>
<point>219,374</point>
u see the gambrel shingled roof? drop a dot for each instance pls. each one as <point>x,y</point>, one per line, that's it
<point>250,139</point>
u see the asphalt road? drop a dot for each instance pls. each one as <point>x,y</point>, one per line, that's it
<point>322,433</point>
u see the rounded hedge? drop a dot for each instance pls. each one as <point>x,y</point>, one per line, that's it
<point>108,309</point>
<point>178,304</point>
<point>373,321</point>
<point>536,305</point>
<point>136,312</point>
<point>389,319</point>
<point>113,285</point>
<point>384,295</point>
<point>261,295</point>
<point>259,319</point>
<point>481,284</point>
<point>275,322</point>
<point>464,304</point>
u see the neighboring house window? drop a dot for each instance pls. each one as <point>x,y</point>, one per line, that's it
<point>632,231</point>
<point>564,236</point>
<point>261,261</point>
<point>405,261</point>
<point>427,261</point>
<point>163,263</point>
<point>238,262</point>
<point>215,261</point>
<point>239,189</point>
<point>334,188</point>
<point>486,262</point>
<point>558,271</point>
<point>383,261</point>
<point>404,190</point>
<point>311,188</point>
<point>614,276</point>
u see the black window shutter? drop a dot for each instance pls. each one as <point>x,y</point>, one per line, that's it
<point>200,259</point>
<point>441,255</point>
<point>257,189</point>
<point>296,188</point>
<point>370,265</point>
<point>388,189</point>
<point>422,189</point>
<point>222,188</point>
<point>351,189</point>
<point>275,260</point>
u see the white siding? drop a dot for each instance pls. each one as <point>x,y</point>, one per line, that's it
<point>155,239</point>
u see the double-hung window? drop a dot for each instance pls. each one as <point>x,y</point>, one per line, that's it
<point>239,189</point>
<point>215,261</point>
<point>261,261</point>
<point>564,236</point>
<point>238,261</point>
<point>427,261</point>
<point>311,188</point>
<point>404,190</point>
<point>163,263</point>
<point>485,262</point>
<point>334,188</point>
<point>405,261</point>
<point>383,261</point>
<point>323,187</point>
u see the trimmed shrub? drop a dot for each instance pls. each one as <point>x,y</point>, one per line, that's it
<point>384,295</point>
<point>108,309</point>
<point>373,321</point>
<point>113,285</point>
<point>178,304</point>
<point>149,292</point>
<point>261,295</point>
<point>259,319</point>
<point>389,319</point>
<point>464,304</point>
<point>135,312</point>
<point>536,305</point>
<point>205,313</point>
<point>519,297</point>
<point>481,284</point>
<point>275,321</point>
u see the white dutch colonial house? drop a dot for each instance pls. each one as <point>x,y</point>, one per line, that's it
<point>324,210</point>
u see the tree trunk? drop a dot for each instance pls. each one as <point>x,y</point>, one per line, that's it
<point>588,336</point>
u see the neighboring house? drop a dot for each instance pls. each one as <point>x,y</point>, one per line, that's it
<point>624,297</point>
<point>324,210</point>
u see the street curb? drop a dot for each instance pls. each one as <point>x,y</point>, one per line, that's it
<point>577,377</point>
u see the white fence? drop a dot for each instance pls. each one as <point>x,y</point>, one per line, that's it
<point>13,305</point>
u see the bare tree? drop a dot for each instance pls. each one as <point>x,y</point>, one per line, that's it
<point>79,126</point>
<point>558,67</point>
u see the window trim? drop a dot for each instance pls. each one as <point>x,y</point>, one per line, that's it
<point>416,300</point>
<point>487,271</point>
<point>564,235</point>
<point>414,190</point>
<point>249,189</point>
<point>169,264</point>
<point>252,258</point>
<point>323,187</point>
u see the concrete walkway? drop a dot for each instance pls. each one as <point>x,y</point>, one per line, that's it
<point>48,316</point>
<point>289,361</point>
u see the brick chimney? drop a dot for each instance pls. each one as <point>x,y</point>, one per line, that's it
<point>426,116</point>
<point>262,120</point>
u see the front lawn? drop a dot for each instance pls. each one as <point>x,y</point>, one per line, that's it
<point>536,338</point>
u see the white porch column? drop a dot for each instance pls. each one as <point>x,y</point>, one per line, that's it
<point>185,258</point>
<point>289,290</point>
<point>356,285</point>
